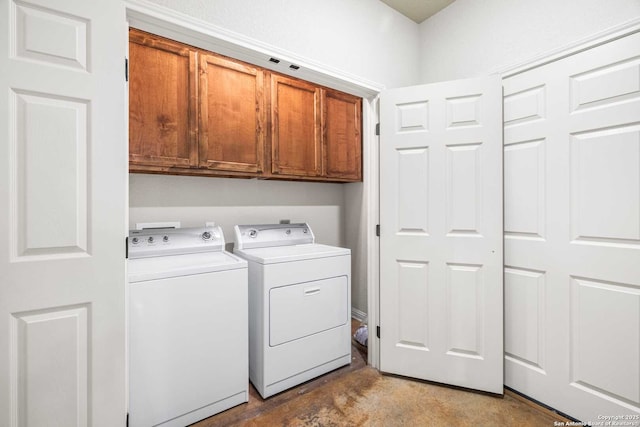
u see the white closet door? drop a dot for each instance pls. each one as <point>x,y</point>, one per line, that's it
<point>572,232</point>
<point>441,243</point>
<point>63,168</point>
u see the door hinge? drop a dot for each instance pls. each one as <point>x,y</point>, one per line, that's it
<point>126,69</point>
<point>378,230</point>
<point>378,129</point>
<point>378,331</point>
<point>126,247</point>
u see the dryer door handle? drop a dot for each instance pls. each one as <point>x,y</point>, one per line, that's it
<point>311,291</point>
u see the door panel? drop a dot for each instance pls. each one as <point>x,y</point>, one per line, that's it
<point>232,127</point>
<point>441,233</point>
<point>296,132</point>
<point>342,135</point>
<point>51,193</point>
<point>57,337</point>
<point>412,209</point>
<point>62,210</point>
<point>572,231</point>
<point>162,103</point>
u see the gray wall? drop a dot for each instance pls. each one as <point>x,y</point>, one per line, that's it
<point>225,201</point>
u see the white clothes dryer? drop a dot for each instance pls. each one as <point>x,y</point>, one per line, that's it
<point>299,305</point>
<point>188,355</point>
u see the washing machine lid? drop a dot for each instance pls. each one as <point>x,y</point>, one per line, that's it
<point>277,254</point>
<point>164,267</point>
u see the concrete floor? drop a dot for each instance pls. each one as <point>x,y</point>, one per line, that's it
<point>358,395</point>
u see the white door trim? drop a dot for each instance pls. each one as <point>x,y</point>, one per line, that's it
<point>160,20</point>
<point>601,37</point>
<point>372,189</point>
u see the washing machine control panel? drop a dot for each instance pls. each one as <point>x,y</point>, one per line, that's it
<point>268,235</point>
<point>174,241</point>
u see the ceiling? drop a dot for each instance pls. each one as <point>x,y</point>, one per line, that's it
<point>418,10</point>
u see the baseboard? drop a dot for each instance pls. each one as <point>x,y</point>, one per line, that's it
<point>358,315</point>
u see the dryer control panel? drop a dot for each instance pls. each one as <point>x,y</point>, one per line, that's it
<point>268,235</point>
<point>174,241</point>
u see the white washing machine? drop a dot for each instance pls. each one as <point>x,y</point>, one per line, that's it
<point>299,305</point>
<point>188,352</point>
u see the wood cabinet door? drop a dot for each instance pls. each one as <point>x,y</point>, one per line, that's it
<point>162,103</point>
<point>232,115</point>
<point>342,136</point>
<point>295,127</point>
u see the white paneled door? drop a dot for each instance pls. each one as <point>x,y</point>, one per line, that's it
<point>572,233</point>
<point>62,208</point>
<point>441,298</point>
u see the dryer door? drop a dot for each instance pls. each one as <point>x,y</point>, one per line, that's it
<point>303,309</point>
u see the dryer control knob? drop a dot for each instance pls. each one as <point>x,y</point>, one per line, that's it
<point>253,234</point>
<point>206,235</point>
<point>150,239</point>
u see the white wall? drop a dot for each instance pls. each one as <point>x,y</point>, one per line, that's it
<point>365,38</point>
<point>471,38</point>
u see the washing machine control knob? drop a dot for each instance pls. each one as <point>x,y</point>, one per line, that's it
<point>150,239</point>
<point>135,240</point>
<point>253,233</point>
<point>206,235</point>
<point>165,238</point>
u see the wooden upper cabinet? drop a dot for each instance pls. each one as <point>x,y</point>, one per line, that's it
<point>194,112</point>
<point>162,103</point>
<point>296,132</point>
<point>232,115</point>
<point>342,136</point>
